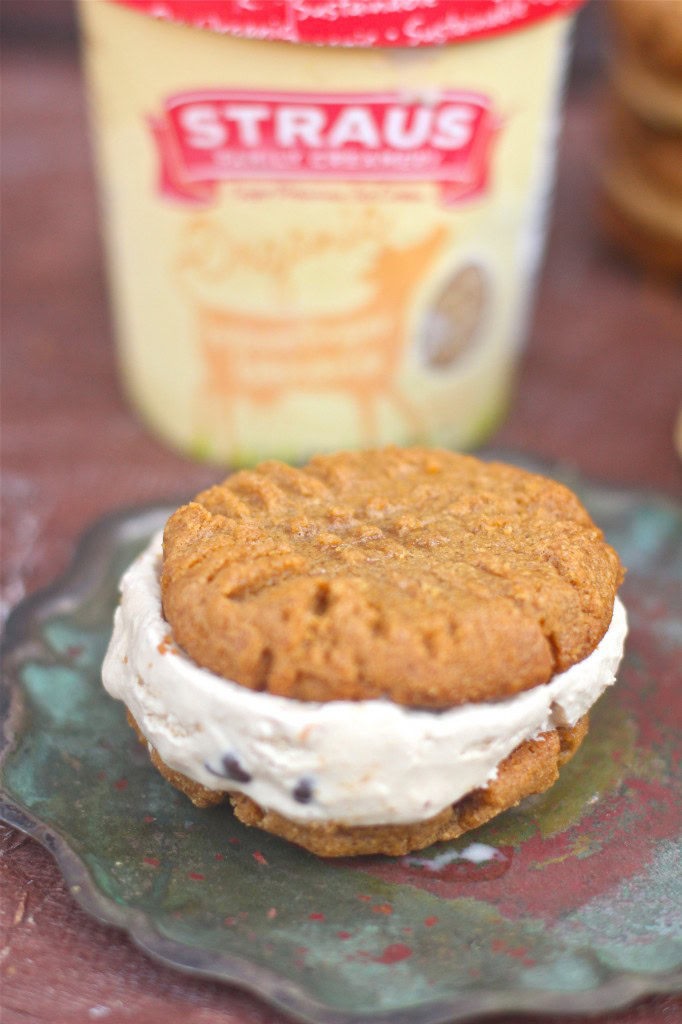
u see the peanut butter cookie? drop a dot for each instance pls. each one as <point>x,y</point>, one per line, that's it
<point>416,575</point>
<point>532,768</point>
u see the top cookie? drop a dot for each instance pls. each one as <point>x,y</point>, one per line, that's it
<point>414,574</point>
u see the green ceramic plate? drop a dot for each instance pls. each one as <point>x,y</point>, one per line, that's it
<point>571,902</point>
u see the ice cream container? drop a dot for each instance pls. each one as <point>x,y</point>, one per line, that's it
<point>323,218</point>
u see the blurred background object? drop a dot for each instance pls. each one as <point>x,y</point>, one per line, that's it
<point>45,22</point>
<point>642,172</point>
<point>330,246</point>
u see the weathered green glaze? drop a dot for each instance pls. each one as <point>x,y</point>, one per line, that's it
<point>571,901</point>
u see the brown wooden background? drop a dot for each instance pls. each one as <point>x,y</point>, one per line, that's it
<point>600,386</point>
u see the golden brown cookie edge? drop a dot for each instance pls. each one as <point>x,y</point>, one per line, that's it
<point>519,658</point>
<point>532,767</point>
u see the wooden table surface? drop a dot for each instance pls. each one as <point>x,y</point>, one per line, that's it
<point>600,385</point>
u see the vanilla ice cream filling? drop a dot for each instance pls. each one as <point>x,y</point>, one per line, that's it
<point>359,762</point>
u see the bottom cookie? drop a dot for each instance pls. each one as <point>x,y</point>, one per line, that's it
<point>531,768</point>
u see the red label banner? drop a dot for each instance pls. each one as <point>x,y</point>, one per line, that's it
<point>208,136</point>
<point>356,22</point>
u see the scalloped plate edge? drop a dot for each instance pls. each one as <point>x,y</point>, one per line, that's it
<point>92,550</point>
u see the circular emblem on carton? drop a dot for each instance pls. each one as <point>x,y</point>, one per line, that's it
<point>453,318</point>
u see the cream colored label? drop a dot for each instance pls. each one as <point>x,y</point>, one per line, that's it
<point>316,248</point>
